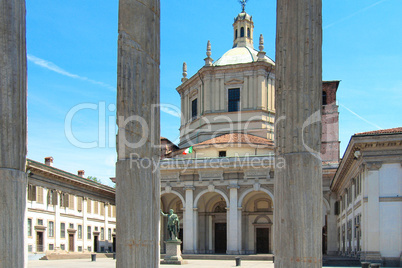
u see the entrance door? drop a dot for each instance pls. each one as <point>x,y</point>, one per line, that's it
<point>114,243</point>
<point>220,238</point>
<point>39,241</point>
<point>262,240</point>
<point>96,242</point>
<point>71,242</point>
<point>181,238</point>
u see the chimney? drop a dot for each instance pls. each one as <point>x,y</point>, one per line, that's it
<point>81,173</point>
<point>49,161</point>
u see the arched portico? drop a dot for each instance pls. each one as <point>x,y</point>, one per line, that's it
<point>256,234</point>
<point>172,200</point>
<point>210,217</point>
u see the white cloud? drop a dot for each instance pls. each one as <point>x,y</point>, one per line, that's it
<point>53,67</point>
<point>170,111</point>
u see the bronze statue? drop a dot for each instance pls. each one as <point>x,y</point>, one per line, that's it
<point>173,225</point>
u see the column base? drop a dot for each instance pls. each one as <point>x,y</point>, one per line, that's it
<point>371,256</point>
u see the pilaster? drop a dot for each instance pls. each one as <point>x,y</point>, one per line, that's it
<point>232,221</point>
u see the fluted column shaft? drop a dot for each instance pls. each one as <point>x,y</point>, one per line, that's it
<point>298,185</point>
<point>137,177</point>
<point>13,128</point>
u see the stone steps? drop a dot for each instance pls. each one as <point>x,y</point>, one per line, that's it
<point>254,257</point>
<point>68,256</point>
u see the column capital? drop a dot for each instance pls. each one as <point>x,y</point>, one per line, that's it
<point>373,165</point>
<point>233,186</point>
<point>189,187</point>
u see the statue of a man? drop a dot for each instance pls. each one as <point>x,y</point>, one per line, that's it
<point>173,225</point>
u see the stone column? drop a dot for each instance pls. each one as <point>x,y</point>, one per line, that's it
<point>13,138</point>
<point>298,185</point>
<point>137,176</point>
<point>232,221</point>
<point>188,236</point>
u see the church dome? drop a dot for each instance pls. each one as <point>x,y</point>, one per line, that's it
<point>240,55</point>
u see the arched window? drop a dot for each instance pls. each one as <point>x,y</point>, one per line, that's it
<point>242,32</point>
<point>248,32</point>
<point>324,98</point>
<point>236,34</point>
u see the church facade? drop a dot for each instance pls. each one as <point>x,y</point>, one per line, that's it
<point>224,189</point>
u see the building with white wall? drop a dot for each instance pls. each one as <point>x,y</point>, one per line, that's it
<point>368,190</point>
<point>67,212</point>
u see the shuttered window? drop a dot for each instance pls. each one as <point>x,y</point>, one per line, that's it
<point>79,204</point>
<point>89,206</point>
<point>39,195</point>
<point>102,209</point>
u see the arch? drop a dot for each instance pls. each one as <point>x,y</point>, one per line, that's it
<point>176,193</point>
<point>243,195</point>
<point>242,32</point>
<point>206,191</point>
<point>262,217</point>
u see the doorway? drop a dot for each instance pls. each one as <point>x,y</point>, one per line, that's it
<point>220,238</point>
<point>39,241</point>
<point>96,243</point>
<point>114,243</point>
<point>71,242</point>
<point>262,238</point>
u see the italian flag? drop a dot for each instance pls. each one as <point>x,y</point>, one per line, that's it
<point>189,150</point>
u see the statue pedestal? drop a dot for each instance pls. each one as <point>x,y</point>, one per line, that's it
<point>173,253</point>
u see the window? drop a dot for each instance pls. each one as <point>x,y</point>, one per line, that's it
<point>29,227</point>
<point>52,197</point>
<point>102,234</point>
<point>51,229</point>
<point>79,204</point>
<point>96,207</point>
<point>89,206</point>
<point>324,98</point>
<point>71,202</point>
<point>222,153</point>
<point>79,248</point>
<point>64,200</point>
<point>109,210</point>
<point>62,247</point>
<point>96,228</point>
<point>242,32</point>
<point>39,195</point>
<point>109,234</point>
<point>31,193</point>
<point>51,246</point>
<point>248,33</point>
<point>62,230</point>
<point>89,234</point>
<point>114,212</point>
<point>30,248</point>
<point>40,222</point>
<point>234,100</point>
<point>71,226</point>
<point>79,231</point>
<point>236,34</point>
<point>102,209</point>
<point>89,249</point>
<point>194,109</point>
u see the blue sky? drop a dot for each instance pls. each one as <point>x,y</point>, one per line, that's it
<point>72,63</point>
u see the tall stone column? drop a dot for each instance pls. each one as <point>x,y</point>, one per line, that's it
<point>298,184</point>
<point>13,138</point>
<point>188,243</point>
<point>137,176</point>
